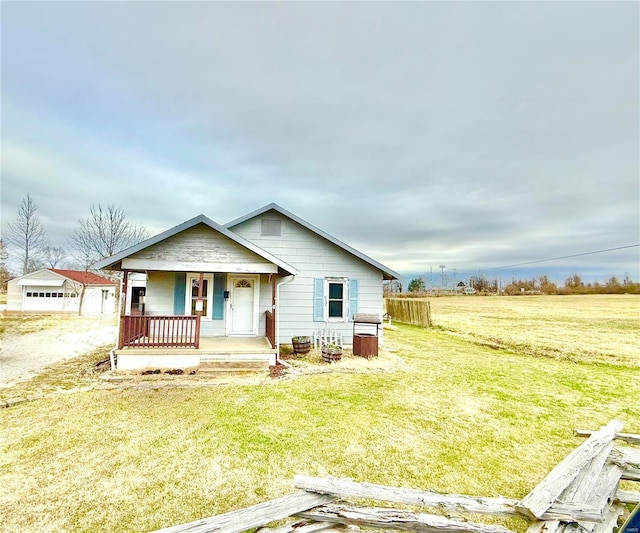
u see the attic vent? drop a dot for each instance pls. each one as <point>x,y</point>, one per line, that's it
<point>271,227</point>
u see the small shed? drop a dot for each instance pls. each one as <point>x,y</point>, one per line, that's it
<point>52,290</point>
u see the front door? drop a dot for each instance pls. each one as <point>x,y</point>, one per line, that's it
<point>244,305</point>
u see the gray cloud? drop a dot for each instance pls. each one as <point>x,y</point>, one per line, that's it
<point>472,133</point>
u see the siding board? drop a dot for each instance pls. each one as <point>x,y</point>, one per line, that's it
<point>199,244</point>
<point>315,257</point>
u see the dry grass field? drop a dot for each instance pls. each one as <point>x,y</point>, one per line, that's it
<point>594,328</point>
<point>12,324</point>
<point>455,416</point>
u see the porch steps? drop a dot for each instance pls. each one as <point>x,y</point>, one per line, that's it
<point>238,365</point>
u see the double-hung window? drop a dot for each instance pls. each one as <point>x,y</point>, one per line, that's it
<point>335,299</point>
<point>336,292</point>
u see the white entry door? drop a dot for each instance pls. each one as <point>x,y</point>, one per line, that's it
<point>244,306</point>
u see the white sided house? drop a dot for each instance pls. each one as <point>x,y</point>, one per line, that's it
<point>53,290</point>
<point>233,293</point>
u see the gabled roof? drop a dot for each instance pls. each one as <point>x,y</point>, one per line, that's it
<point>387,272</point>
<point>79,276</point>
<point>86,278</point>
<point>200,219</point>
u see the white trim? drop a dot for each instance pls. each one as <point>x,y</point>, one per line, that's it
<point>345,299</point>
<point>231,280</point>
<point>187,266</point>
<point>41,282</point>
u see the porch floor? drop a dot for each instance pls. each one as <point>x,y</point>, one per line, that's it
<point>210,346</point>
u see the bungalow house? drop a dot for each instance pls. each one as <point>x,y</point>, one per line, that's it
<point>53,290</point>
<point>233,293</point>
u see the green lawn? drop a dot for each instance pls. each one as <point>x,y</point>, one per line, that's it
<point>456,417</point>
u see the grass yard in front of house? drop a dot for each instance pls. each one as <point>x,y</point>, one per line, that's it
<point>457,417</point>
<point>12,323</point>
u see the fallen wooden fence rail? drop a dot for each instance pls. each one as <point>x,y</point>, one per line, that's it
<point>580,495</point>
<point>253,517</point>
<point>396,519</point>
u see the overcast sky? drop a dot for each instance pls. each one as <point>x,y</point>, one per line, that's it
<point>474,135</point>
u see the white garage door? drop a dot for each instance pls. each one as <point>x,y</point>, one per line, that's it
<point>49,299</point>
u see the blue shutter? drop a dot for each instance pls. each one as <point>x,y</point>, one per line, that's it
<point>318,300</point>
<point>353,297</point>
<point>179,293</point>
<point>218,297</point>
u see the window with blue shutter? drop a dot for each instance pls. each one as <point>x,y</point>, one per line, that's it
<point>335,299</point>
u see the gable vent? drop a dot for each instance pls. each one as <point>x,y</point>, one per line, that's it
<point>271,227</point>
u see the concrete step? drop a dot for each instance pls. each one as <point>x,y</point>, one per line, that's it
<point>242,365</point>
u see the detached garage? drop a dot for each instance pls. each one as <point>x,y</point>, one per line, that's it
<point>52,290</point>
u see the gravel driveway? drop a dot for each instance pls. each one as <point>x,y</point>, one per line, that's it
<point>24,356</point>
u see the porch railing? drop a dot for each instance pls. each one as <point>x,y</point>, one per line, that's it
<point>159,332</point>
<point>270,328</point>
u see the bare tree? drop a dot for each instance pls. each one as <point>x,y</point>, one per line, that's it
<point>27,234</point>
<point>53,255</point>
<point>4,271</point>
<point>105,232</point>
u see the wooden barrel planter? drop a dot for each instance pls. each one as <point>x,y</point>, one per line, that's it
<point>331,354</point>
<point>301,345</point>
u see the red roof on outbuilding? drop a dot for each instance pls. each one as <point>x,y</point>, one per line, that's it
<point>86,278</point>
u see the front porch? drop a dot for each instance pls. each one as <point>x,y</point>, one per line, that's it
<point>213,354</point>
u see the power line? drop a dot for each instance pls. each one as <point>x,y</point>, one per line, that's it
<point>557,258</point>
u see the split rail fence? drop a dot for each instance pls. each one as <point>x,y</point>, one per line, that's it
<point>580,495</point>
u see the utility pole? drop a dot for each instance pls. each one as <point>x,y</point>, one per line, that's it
<point>442,267</point>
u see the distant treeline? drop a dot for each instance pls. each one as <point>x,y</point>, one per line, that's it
<point>572,285</point>
<point>540,285</point>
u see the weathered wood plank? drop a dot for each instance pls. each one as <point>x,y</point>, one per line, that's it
<point>555,526</point>
<point>629,459</point>
<point>347,488</point>
<point>572,512</point>
<point>631,474</point>
<point>626,456</point>
<point>252,517</point>
<point>547,491</point>
<point>626,437</point>
<point>579,490</point>
<point>547,526</point>
<point>611,520</point>
<point>594,495</point>
<point>605,489</point>
<point>627,496</point>
<point>299,526</point>
<point>396,519</point>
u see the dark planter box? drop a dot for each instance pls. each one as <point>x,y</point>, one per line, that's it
<point>365,345</point>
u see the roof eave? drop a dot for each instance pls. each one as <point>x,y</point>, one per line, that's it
<point>116,259</point>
